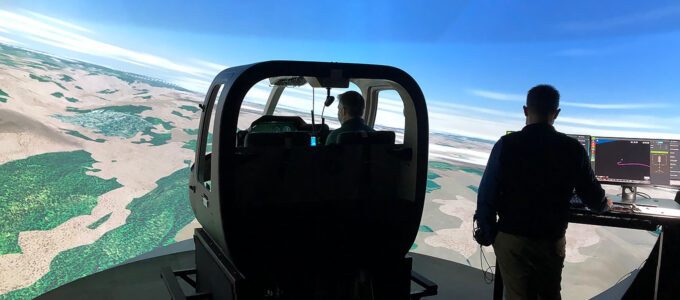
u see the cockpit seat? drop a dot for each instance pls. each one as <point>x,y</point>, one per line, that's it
<point>366,138</point>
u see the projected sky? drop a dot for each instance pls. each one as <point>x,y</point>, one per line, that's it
<point>614,62</point>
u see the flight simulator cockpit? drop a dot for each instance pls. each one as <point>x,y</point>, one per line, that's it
<point>283,214</point>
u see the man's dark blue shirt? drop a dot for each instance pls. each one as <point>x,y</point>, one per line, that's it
<point>529,180</point>
<point>354,124</point>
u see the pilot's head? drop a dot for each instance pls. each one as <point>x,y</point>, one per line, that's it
<point>350,105</point>
<point>542,104</point>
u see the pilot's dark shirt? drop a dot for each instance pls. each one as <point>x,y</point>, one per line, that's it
<point>355,124</point>
<point>529,180</point>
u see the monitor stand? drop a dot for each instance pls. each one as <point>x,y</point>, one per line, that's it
<point>628,193</point>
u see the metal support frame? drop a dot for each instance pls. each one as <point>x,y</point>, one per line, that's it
<point>658,266</point>
<point>230,280</point>
<point>176,293</point>
<point>430,288</point>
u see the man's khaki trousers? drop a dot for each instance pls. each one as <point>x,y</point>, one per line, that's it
<point>531,269</point>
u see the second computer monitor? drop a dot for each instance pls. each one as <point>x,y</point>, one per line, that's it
<point>632,161</point>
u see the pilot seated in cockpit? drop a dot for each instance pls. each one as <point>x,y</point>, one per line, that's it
<point>350,109</point>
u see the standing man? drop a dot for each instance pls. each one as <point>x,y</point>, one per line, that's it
<point>528,182</point>
<point>350,110</point>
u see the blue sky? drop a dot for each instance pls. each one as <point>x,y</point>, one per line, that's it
<point>614,62</point>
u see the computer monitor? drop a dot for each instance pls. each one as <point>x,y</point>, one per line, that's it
<point>584,140</point>
<point>634,161</point>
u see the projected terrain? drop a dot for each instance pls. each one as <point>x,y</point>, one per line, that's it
<point>94,166</point>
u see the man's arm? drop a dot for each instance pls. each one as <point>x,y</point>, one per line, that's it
<point>588,188</point>
<point>487,196</point>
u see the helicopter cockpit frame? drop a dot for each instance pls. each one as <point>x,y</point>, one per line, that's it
<point>275,209</point>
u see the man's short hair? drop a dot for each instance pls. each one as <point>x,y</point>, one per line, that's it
<point>543,99</point>
<point>353,102</point>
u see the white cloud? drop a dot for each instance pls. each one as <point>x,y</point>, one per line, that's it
<point>609,123</point>
<point>57,33</point>
<point>194,84</point>
<point>613,106</point>
<point>9,41</point>
<point>57,21</point>
<point>642,122</point>
<point>445,106</point>
<point>522,98</point>
<point>498,96</point>
<point>209,65</point>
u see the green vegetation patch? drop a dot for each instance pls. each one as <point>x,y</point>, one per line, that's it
<point>43,191</point>
<point>107,91</point>
<point>425,228</point>
<point>15,57</point>
<point>77,110</point>
<point>66,78</point>
<point>440,165</point>
<point>413,247</point>
<point>40,78</point>
<point>99,222</point>
<point>3,96</point>
<point>146,97</point>
<point>109,123</point>
<point>58,95</point>
<point>142,91</point>
<point>128,109</point>
<point>46,79</point>
<point>7,60</point>
<point>444,166</point>
<point>71,99</point>
<point>176,113</point>
<point>473,188</point>
<point>157,139</point>
<point>192,109</point>
<point>123,121</point>
<point>78,87</point>
<point>191,131</point>
<point>432,186</point>
<point>154,221</point>
<point>157,121</point>
<point>80,135</point>
<point>191,144</point>
<point>432,175</point>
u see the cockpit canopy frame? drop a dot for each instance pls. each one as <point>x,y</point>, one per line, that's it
<point>235,83</point>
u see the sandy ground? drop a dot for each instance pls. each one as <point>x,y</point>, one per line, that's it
<point>27,128</point>
<point>596,256</point>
